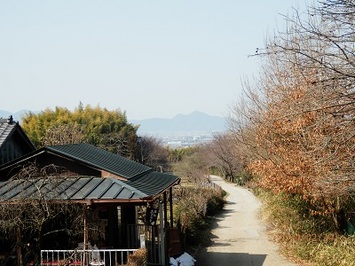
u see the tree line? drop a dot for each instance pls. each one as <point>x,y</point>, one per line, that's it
<point>296,124</point>
<point>293,130</point>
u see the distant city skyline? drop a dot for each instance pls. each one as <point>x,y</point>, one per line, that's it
<point>146,58</point>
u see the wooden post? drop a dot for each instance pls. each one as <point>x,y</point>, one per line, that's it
<point>165,210</point>
<point>113,239</point>
<point>86,233</point>
<point>171,207</point>
<point>19,250</point>
<point>162,235</point>
<point>128,217</point>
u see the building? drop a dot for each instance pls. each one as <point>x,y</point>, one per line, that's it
<point>14,143</point>
<point>121,190</point>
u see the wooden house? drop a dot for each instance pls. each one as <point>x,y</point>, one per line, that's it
<point>123,190</point>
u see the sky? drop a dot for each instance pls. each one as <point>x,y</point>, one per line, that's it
<point>155,58</point>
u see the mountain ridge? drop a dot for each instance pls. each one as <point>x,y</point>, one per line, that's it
<point>17,116</point>
<point>195,123</point>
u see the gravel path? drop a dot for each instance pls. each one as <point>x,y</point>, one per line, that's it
<point>239,237</point>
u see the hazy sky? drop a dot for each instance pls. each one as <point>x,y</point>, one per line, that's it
<point>150,58</point>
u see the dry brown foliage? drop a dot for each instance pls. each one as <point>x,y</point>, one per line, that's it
<point>297,123</point>
<point>138,258</point>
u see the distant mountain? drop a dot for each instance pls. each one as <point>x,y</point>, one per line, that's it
<point>194,123</point>
<point>17,116</point>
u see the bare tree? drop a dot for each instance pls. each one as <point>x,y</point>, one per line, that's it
<point>151,152</point>
<point>224,153</point>
<point>63,134</point>
<point>28,222</point>
<point>298,121</point>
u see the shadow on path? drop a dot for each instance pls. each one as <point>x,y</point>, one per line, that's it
<point>216,258</point>
<point>229,259</point>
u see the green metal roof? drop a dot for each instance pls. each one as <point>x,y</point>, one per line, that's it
<point>141,182</point>
<point>154,183</point>
<point>74,189</point>
<point>99,158</point>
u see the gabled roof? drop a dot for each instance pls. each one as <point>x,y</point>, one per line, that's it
<point>79,189</point>
<point>8,127</point>
<point>141,184</point>
<point>14,143</point>
<point>101,159</point>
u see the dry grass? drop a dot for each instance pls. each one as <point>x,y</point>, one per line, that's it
<point>138,258</point>
<point>303,238</point>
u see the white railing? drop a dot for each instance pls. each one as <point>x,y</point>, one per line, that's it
<point>92,257</point>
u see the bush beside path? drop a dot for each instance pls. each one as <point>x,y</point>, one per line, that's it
<point>239,236</point>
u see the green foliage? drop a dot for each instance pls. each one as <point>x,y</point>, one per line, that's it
<point>178,154</point>
<point>243,178</point>
<point>100,127</point>
<point>214,170</point>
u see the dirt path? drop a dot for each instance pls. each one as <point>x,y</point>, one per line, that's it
<point>239,236</point>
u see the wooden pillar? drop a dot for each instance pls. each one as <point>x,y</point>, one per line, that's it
<point>162,236</point>
<point>86,233</point>
<point>165,210</point>
<point>19,250</point>
<point>171,207</point>
<point>113,239</point>
<point>128,217</point>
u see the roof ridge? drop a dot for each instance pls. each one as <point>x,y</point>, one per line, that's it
<point>89,154</point>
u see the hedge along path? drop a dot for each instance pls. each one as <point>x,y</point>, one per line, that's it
<point>239,236</point>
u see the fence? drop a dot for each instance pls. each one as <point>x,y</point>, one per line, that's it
<point>92,257</point>
<point>153,241</point>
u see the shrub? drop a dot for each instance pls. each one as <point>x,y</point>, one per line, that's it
<point>193,206</point>
<point>138,258</point>
<point>303,236</point>
<point>216,203</point>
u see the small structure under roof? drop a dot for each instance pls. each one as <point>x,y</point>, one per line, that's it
<point>98,179</point>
